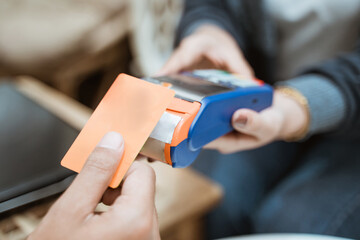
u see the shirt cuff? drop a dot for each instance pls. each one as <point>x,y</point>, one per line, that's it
<point>327,105</point>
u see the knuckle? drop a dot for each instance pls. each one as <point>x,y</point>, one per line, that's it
<point>146,168</point>
<point>146,171</point>
<point>150,171</point>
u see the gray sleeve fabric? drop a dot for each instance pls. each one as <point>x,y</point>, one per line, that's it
<point>327,104</point>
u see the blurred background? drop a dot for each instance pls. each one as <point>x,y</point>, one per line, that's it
<point>79,47</point>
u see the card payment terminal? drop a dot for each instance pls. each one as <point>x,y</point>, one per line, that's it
<point>201,111</point>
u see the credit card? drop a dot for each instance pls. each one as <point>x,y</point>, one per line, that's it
<point>131,107</point>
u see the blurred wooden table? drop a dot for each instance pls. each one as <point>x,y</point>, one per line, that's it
<point>183,196</point>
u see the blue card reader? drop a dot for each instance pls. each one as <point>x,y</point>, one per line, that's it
<point>201,111</point>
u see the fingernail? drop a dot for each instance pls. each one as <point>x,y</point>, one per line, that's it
<point>241,121</point>
<point>112,140</point>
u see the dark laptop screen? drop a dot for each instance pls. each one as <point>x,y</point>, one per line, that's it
<point>32,144</point>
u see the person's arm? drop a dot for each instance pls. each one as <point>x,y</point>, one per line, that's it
<point>325,99</point>
<point>333,92</point>
<point>206,38</point>
<point>132,214</point>
<point>325,102</point>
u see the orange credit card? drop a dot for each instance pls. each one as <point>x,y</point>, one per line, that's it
<point>131,107</point>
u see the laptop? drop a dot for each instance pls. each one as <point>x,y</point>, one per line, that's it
<point>32,144</point>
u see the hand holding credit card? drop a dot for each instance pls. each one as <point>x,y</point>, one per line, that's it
<point>131,107</point>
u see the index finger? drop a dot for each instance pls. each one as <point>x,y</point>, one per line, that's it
<point>138,185</point>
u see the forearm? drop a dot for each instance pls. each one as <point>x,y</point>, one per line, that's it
<point>333,92</point>
<point>325,101</point>
<point>344,73</point>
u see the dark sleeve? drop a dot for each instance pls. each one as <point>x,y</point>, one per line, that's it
<point>199,12</point>
<point>344,72</point>
<point>248,23</point>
